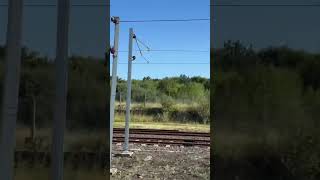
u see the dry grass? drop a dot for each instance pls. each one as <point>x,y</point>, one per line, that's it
<point>166,125</point>
<point>179,106</point>
<point>148,122</point>
<point>134,105</point>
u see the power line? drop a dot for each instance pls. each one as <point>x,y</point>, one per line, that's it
<point>55,5</point>
<point>216,5</point>
<point>138,40</point>
<point>165,20</point>
<point>172,50</point>
<point>140,49</point>
<point>174,61</point>
<point>168,63</point>
<point>181,61</point>
<point>266,5</point>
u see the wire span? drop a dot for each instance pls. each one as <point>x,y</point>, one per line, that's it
<point>166,20</point>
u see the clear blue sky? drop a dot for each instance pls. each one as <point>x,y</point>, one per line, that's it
<point>297,27</point>
<point>164,35</point>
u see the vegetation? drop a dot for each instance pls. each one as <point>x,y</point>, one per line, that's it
<point>138,121</point>
<point>87,94</point>
<point>266,104</point>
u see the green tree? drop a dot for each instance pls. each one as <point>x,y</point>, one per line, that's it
<point>169,87</point>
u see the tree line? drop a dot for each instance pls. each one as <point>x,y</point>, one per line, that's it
<point>87,94</point>
<point>271,96</point>
<point>271,87</point>
<point>249,86</point>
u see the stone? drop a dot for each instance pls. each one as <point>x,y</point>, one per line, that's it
<point>137,149</point>
<point>126,154</point>
<point>113,171</point>
<point>148,158</point>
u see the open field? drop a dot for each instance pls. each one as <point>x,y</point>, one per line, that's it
<point>138,121</point>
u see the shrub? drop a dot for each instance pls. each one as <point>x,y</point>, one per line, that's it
<point>167,103</point>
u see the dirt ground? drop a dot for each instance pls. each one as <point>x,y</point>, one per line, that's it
<point>151,162</point>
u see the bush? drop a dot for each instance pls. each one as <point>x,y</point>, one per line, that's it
<point>167,103</point>
<point>204,109</point>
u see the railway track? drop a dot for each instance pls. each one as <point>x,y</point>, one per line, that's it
<point>165,137</point>
<point>162,132</point>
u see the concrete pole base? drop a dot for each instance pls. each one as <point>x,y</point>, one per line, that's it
<point>126,154</point>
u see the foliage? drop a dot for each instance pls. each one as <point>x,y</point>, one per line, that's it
<point>87,95</point>
<point>273,89</point>
<point>167,103</point>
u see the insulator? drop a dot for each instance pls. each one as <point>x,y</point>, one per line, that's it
<point>112,51</point>
<point>115,20</point>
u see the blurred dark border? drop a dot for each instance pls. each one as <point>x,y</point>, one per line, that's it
<point>285,144</point>
<point>108,87</point>
<point>212,120</point>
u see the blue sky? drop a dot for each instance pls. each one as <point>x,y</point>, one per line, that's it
<point>296,27</point>
<point>164,35</point>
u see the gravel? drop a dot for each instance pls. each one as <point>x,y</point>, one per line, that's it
<point>162,162</point>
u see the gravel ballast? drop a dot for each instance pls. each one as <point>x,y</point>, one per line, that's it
<point>161,162</point>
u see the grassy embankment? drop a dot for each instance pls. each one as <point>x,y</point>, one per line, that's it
<point>152,122</point>
<point>89,139</point>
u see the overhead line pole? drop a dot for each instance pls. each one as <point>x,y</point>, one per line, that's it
<point>11,89</point>
<point>130,59</point>
<point>61,74</point>
<point>114,51</point>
